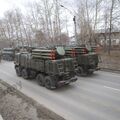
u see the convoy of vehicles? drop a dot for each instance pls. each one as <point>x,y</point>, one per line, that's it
<point>8,54</point>
<point>52,67</point>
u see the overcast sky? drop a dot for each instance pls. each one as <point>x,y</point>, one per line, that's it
<point>9,4</point>
<point>21,4</point>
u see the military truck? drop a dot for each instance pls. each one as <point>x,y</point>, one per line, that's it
<point>47,66</point>
<point>8,54</point>
<point>87,59</point>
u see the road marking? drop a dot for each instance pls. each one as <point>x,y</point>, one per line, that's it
<point>112,88</point>
<point>1,117</point>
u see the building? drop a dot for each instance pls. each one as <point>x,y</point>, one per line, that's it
<point>103,37</point>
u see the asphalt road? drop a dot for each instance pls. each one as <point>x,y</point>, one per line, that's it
<point>90,98</point>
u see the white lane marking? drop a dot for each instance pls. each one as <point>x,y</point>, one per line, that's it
<point>110,74</point>
<point>1,117</point>
<point>112,88</point>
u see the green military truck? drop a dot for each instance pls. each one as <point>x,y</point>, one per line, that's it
<point>87,60</point>
<point>47,66</point>
<point>8,54</point>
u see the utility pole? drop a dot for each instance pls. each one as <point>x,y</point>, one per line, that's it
<point>75,28</point>
<point>74,20</point>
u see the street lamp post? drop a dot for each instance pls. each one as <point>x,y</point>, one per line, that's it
<point>74,20</point>
<point>75,27</point>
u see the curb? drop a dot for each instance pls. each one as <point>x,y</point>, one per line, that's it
<point>28,99</point>
<point>110,70</point>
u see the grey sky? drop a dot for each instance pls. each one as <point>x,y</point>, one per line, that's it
<point>9,4</point>
<point>21,4</point>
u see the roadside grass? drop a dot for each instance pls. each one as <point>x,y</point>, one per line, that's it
<point>111,61</point>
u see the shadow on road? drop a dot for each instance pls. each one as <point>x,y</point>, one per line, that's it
<point>90,76</point>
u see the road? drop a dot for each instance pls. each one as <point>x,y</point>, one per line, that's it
<point>90,98</point>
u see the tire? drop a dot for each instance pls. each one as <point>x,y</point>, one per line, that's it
<point>40,79</point>
<point>49,83</point>
<point>91,72</point>
<point>32,74</point>
<point>18,71</point>
<point>79,72</point>
<point>25,74</point>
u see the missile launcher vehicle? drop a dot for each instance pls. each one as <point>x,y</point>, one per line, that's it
<point>86,59</point>
<point>46,65</point>
<point>8,54</point>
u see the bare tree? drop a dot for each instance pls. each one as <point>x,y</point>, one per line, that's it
<point>110,24</point>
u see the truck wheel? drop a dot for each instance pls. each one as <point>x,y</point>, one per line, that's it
<point>48,82</point>
<point>91,72</point>
<point>79,72</point>
<point>32,74</point>
<point>40,79</point>
<point>25,74</point>
<point>18,71</point>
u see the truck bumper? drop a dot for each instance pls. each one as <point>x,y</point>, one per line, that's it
<point>65,82</point>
